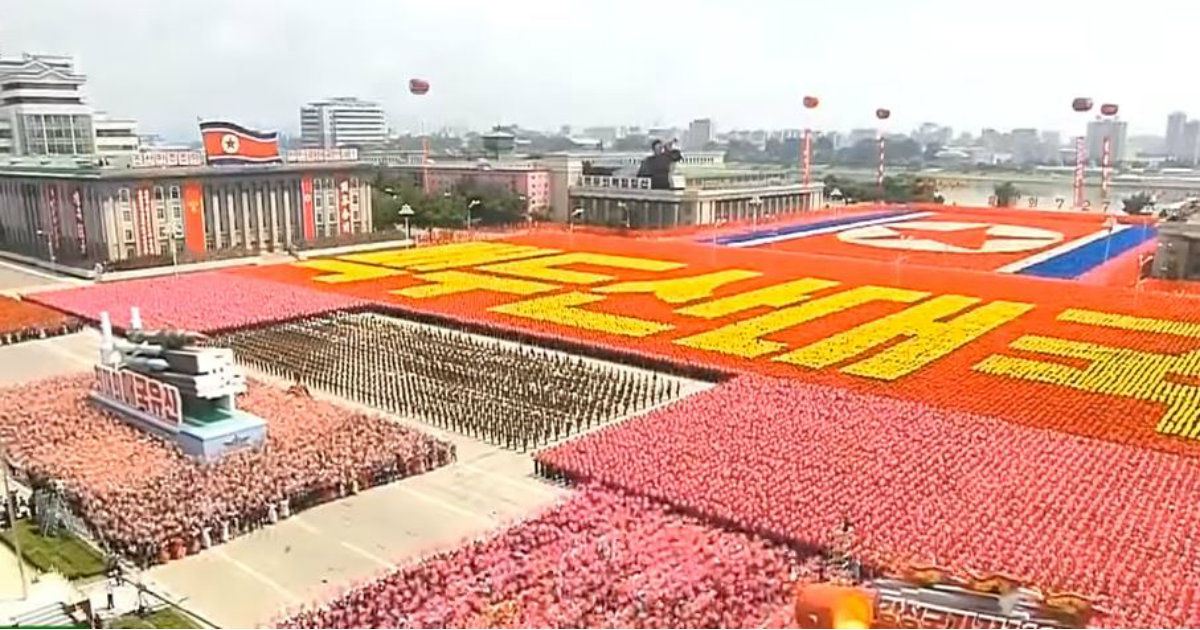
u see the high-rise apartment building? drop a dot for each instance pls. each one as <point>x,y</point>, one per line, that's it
<point>1175,130</point>
<point>1115,131</point>
<point>342,122</point>
<point>699,134</point>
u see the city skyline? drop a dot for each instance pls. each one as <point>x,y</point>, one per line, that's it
<point>545,65</point>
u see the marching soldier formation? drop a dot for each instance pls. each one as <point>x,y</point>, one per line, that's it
<point>515,396</point>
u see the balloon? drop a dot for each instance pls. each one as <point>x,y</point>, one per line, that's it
<point>1108,109</point>
<point>1081,104</point>
<point>811,101</point>
<point>883,114</point>
<point>420,87</point>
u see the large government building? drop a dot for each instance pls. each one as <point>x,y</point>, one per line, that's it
<point>79,214</point>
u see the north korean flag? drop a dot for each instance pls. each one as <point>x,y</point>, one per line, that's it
<point>229,143</point>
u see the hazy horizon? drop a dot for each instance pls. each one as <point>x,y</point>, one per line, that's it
<point>542,65</point>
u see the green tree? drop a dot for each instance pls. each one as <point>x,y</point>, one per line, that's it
<point>1006,194</point>
<point>1137,204</point>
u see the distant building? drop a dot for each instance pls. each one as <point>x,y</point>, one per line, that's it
<point>115,136</point>
<point>1051,143</point>
<point>1175,135</point>
<point>607,135</point>
<point>1189,147</point>
<point>699,134</point>
<point>342,122</point>
<point>1026,146</point>
<point>858,135</point>
<point>43,112</point>
<point>1115,131</point>
<point>933,133</point>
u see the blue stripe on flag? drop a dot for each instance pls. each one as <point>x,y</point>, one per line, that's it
<point>804,227</point>
<point>1078,261</point>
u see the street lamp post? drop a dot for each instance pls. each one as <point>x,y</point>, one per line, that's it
<point>470,204</point>
<point>49,245</point>
<point>577,213</point>
<point>406,211</point>
<point>12,521</point>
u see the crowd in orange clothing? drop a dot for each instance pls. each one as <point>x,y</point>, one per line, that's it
<point>601,559</point>
<point>146,500</point>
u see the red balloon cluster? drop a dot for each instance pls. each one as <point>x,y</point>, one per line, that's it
<point>602,559</point>
<point>1109,109</point>
<point>144,499</point>
<point>883,114</point>
<point>420,87</point>
<point>203,302</point>
<point>810,102</point>
<point>971,493</point>
<point>21,320</point>
<point>1082,104</point>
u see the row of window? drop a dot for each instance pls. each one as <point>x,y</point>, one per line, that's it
<point>41,100</point>
<point>57,134</point>
<point>25,85</point>
<point>165,200</point>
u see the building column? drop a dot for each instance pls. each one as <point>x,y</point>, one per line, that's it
<point>245,218</point>
<point>216,222</point>
<point>272,192</point>
<point>259,227</point>
<point>232,217</point>
<point>364,205</point>
<point>287,215</point>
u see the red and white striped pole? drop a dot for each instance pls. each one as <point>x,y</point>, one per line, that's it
<point>882,159</point>
<point>1080,160</point>
<point>807,156</point>
<point>1080,105</point>
<point>810,102</point>
<point>882,114</point>
<point>1105,170</point>
<point>1109,112</point>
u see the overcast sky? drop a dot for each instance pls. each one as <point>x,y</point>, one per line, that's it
<point>746,64</point>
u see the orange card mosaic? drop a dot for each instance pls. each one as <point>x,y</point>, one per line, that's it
<point>1105,362</point>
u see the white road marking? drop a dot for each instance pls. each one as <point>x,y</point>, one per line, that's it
<point>829,230</point>
<point>248,570</point>
<point>33,271</point>
<point>446,505</point>
<point>72,355</point>
<point>370,556</point>
<point>305,525</point>
<point>1030,261</point>
<point>520,483</point>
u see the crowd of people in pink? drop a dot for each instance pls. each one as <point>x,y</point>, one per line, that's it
<point>147,501</point>
<point>203,302</point>
<point>602,558</point>
<point>971,493</point>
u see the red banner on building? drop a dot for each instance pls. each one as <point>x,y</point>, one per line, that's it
<point>193,217</point>
<point>147,238</point>
<point>80,226</point>
<point>343,196</point>
<point>306,208</point>
<point>52,204</point>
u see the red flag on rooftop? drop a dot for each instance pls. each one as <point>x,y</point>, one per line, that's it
<point>230,143</point>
